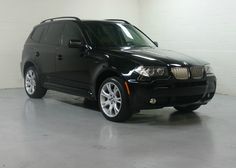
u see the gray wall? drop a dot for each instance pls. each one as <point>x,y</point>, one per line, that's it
<point>204,29</point>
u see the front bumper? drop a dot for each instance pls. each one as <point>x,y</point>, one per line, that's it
<point>172,92</point>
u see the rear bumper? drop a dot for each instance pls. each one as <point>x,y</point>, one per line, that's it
<point>172,93</point>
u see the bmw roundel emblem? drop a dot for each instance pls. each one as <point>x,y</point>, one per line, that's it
<point>185,63</point>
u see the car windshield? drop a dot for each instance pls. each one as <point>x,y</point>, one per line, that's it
<point>105,34</point>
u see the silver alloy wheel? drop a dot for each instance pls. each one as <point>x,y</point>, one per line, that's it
<point>30,82</point>
<point>110,99</point>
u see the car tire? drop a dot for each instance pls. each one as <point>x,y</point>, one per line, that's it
<point>188,108</point>
<point>113,100</point>
<point>32,84</point>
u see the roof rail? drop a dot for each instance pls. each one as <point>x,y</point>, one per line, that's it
<point>58,18</point>
<point>119,20</point>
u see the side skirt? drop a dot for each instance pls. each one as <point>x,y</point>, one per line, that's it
<point>66,89</point>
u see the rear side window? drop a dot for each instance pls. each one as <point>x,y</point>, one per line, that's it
<point>53,35</point>
<point>37,33</point>
<point>71,32</point>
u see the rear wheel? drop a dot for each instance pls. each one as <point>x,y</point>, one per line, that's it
<point>188,108</point>
<point>32,84</point>
<point>113,100</point>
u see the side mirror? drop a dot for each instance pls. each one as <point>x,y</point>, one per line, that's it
<point>156,43</point>
<point>76,44</point>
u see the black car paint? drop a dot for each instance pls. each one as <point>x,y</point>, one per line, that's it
<point>78,70</point>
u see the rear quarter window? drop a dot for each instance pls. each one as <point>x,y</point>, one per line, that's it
<point>37,33</point>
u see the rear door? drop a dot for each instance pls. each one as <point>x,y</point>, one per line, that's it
<point>32,46</point>
<point>47,50</point>
<point>71,63</point>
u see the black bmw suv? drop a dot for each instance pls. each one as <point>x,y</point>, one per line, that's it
<point>115,64</point>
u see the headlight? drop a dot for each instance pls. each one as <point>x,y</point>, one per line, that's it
<point>152,71</point>
<point>208,69</point>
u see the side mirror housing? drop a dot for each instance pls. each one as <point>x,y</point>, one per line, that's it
<point>76,44</point>
<point>156,43</point>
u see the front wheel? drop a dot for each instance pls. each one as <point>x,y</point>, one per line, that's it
<point>188,108</point>
<point>113,100</point>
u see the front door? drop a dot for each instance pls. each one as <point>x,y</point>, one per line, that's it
<point>71,63</point>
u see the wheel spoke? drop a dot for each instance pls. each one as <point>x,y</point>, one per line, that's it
<point>116,109</point>
<point>106,103</point>
<point>110,109</point>
<point>33,77</point>
<point>33,89</point>
<point>116,90</point>
<point>27,83</point>
<point>30,89</point>
<point>30,73</point>
<point>109,88</point>
<point>118,99</point>
<point>28,76</point>
<point>103,93</point>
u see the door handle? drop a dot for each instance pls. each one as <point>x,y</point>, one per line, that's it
<point>37,54</point>
<point>59,57</point>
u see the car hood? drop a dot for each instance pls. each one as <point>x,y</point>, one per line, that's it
<point>156,56</point>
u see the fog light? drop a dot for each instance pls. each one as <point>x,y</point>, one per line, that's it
<point>153,101</point>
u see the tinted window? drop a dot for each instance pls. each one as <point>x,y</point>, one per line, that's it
<point>37,33</point>
<point>53,35</point>
<point>71,32</point>
<point>117,35</point>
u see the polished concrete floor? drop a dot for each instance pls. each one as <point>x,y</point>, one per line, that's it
<point>60,131</point>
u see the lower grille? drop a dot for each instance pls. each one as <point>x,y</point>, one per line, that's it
<point>189,84</point>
